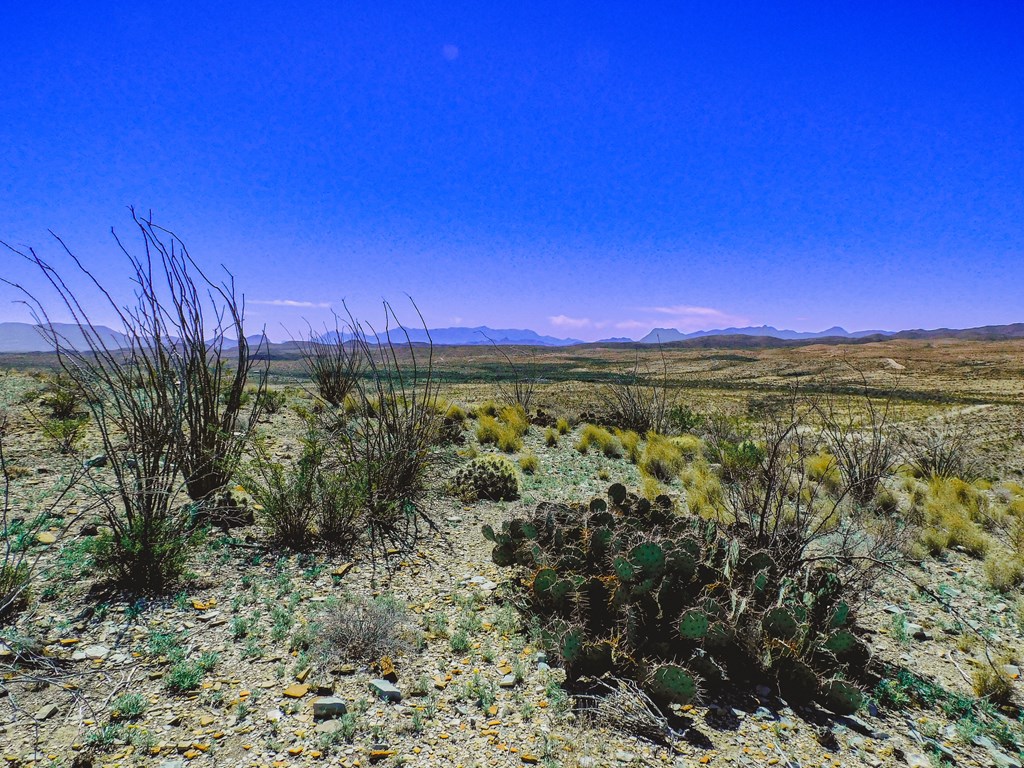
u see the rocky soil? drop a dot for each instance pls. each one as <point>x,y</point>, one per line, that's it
<point>92,678</point>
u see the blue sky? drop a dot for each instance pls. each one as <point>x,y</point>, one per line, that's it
<point>584,170</point>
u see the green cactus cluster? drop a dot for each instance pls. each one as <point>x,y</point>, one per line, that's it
<point>487,477</point>
<point>679,603</point>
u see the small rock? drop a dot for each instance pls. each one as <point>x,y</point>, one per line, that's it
<point>96,651</point>
<point>1000,759</point>
<point>296,691</point>
<point>508,681</point>
<point>99,460</point>
<point>45,537</point>
<point>386,690</point>
<point>274,715</point>
<point>46,712</point>
<point>329,726</point>
<point>329,707</point>
<point>915,760</point>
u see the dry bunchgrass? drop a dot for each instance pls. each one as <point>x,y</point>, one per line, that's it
<point>662,459</point>
<point>365,630</point>
<point>954,514</point>
<point>705,496</point>
<point>529,463</point>
<point>602,439</point>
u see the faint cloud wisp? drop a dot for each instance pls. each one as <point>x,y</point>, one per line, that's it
<point>292,303</point>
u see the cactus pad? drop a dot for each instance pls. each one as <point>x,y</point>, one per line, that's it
<point>842,642</point>
<point>841,697</point>
<point>503,555</point>
<point>781,623</point>
<point>840,615</point>
<point>617,493</point>
<point>673,683</point>
<point>647,557</point>
<point>543,580</point>
<point>624,569</point>
<point>693,625</point>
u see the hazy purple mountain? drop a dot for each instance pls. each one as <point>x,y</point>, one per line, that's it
<point>665,335</point>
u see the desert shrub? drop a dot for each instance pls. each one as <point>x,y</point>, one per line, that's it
<point>681,419</point>
<point>764,476</point>
<point>166,397</point>
<point>456,413</point>
<point>517,387</point>
<point>661,458</point>
<point>624,586</point>
<point>859,435</point>
<point>550,437</point>
<point>639,401</point>
<point>952,515</point>
<point>364,630</point>
<point>562,425</point>
<point>604,440</point>
<point>486,477</point>
<point>651,488</point>
<point>391,457</point>
<point>508,440</point>
<point>529,463</point>
<point>992,683</point>
<point>943,449</point>
<point>310,503</point>
<point>63,397</point>
<point>630,444</point>
<point>514,416</point>
<point>66,434</point>
<point>333,363</point>
<point>704,494</point>
<point>822,468</point>
<point>489,408</point>
<point>271,401</point>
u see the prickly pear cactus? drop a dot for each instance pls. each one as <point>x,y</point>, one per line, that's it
<point>679,603</point>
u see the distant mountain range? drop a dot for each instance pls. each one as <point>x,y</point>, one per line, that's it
<point>666,335</point>
<point>481,335</point>
<point>25,337</point>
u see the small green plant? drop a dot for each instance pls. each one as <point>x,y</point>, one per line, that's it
<point>183,676</point>
<point>66,434</point>
<point>562,426</point>
<point>460,641</point>
<point>550,437</point>
<point>128,707</point>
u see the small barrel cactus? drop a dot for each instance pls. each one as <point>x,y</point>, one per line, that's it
<point>487,477</point>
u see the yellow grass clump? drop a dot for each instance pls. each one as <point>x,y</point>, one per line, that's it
<point>605,441</point>
<point>529,463</point>
<point>662,458</point>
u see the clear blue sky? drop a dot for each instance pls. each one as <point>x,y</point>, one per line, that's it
<point>581,169</point>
